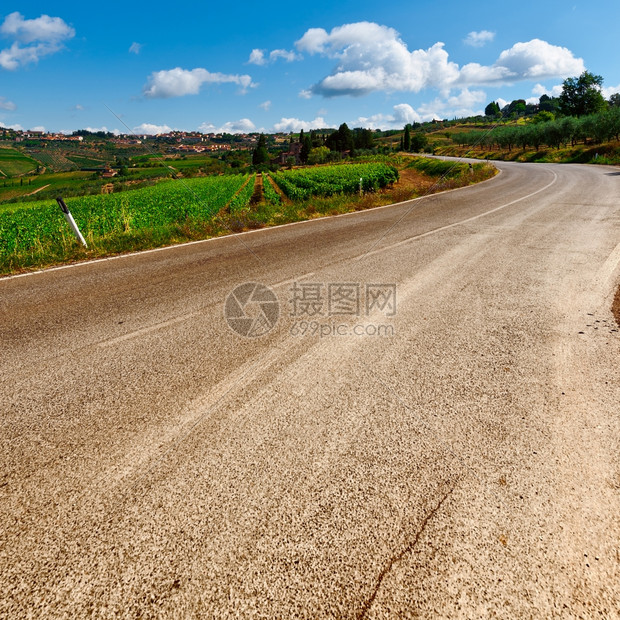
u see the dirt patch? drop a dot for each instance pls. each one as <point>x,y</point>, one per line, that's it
<point>615,308</point>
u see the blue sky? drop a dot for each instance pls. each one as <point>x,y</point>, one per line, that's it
<point>247,66</point>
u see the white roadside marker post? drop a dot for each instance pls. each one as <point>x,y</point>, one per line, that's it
<point>71,221</point>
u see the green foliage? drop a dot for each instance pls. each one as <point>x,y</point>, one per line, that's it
<point>260,155</point>
<point>554,133</point>
<point>492,109</point>
<point>543,117</point>
<point>419,142</point>
<point>13,162</point>
<point>549,104</point>
<point>582,95</point>
<point>31,227</point>
<point>407,138</point>
<point>318,155</point>
<point>242,198</point>
<point>341,140</point>
<point>330,180</point>
<point>438,167</point>
<point>270,195</point>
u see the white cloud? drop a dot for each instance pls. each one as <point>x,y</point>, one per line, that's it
<point>32,39</point>
<point>370,58</point>
<point>5,104</point>
<point>40,128</point>
<point>148,129</point>
<point>16,127</point>
<point>403,114</point>
<point>179,82</point>
<point>266,105</point>
<point>538,59</point>
<point>135,48</point>
<point>462,105</point>
<point>286,125</point>
<point>116,132</point>
<point>243,125</point>
<point>261,58</point>
<point>305,94</point>
<point>609,91</point>
<point>289,56</point>
<point>44,28</point>
<point>257,57</point>
<point>373,58</point>
<point>539,90</point>
<point>479,39</point>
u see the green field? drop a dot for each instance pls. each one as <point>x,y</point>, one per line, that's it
<point>14,163</point>
<point>331,180</point>
<point>31,231</point>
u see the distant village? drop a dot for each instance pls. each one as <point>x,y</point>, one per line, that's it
<point>176,141</point>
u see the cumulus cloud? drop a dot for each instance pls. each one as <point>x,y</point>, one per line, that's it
<point>479,39</point>
<point>243,125</point>
<point>261,57</point>
<point>403,114</point>
<point>370,57</point>
<point>266,105</point>
<point>611,90</point>
<point>44,28</point>
<point>32,39</point>
<point>179,82</point>
<point>538,59</point>
<point>466,103</point>
<point>286,125</point>
<point>539,90</point>
<point>116,132</point>
<point>16,127</point>
<point>150,129</point>
<point>5,104</point>
<point>135,48</point>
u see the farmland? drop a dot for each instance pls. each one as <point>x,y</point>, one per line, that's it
<point>330,180</point>
<point>30,231</point>
<point>34,234</point>
<point>13,163</point>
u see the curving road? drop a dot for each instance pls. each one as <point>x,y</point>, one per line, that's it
<point>430,429</point>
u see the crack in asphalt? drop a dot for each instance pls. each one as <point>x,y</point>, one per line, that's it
<point>396,558</point>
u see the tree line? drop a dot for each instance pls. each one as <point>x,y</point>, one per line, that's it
<point>554,133</point>
<point>579,114</point>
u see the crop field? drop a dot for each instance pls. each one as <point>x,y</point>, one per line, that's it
<point>330,180</point>
<point>30,228</point>
<point>13,163</point>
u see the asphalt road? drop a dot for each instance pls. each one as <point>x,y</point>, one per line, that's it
<point>431,429</point>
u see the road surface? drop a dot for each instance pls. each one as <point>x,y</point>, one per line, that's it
<point>430,429</point>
